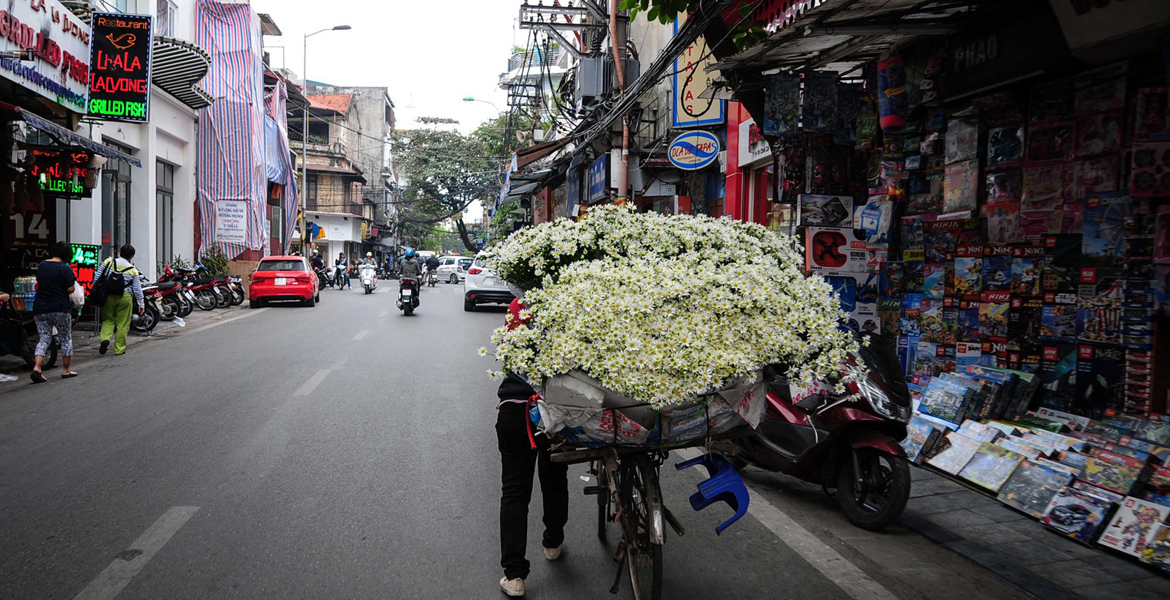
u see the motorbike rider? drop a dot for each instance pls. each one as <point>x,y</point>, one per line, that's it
<point>341,266</point>
<point>432,266</point>
<point>316,261</point>
<point>369,260</point>
<point>410,268</point>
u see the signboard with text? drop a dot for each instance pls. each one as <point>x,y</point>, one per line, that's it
<point>58,46</point>
<point>691,78</point>
<point>598,179</point>
<point>61,172</point>
<point>120,63</point>
<point>231,221</point>
<point>85,263</point>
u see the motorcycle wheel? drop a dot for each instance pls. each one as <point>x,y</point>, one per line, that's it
<point>205,299</point>
<point>407,309</point>
<point>168,309</point>
<point>28,352</point>
<point>237,297</point>
<point>147,321</point>
<point>453,280</point>
<point>224,298</point>
<point>185,307</point>
<point>602,501</point>
<point>884,489</point>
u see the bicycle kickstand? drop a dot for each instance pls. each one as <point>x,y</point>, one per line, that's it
<point>618,557</point>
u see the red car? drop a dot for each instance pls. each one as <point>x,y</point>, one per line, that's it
<point>283,278</point>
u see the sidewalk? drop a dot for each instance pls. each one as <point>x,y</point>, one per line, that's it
<point>87,338</point>
<point>1019,549</point>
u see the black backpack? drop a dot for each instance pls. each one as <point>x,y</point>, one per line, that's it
<point>114,282</point>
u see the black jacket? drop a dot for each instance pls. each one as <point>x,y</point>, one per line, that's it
<point>515,388</point>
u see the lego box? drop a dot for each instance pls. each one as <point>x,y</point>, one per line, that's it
<point>835,250</point>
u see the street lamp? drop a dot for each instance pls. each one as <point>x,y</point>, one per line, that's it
<point>305,125</point>
<point>470,99</point>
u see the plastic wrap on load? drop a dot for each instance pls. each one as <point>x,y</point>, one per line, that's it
<point>576,388</point>
<point>642,426</point>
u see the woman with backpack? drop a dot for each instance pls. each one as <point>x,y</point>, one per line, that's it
<point>53,310</point>
<point>123,287</point>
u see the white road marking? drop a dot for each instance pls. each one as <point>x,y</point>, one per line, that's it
<point>233,319</point>
<point>312,383</point>
<point>383,313</point>
<point>117,576</point>
<point>832,565</point>
<point>361,334</point>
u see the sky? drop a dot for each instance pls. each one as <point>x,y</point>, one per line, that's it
<point>429,54</point>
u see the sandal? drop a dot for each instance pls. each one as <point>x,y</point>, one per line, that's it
<point>38,377</point>
<point>69,374</point>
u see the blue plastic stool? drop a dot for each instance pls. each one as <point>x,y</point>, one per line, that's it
<point>722,485</point>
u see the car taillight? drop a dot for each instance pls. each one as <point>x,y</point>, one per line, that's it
<point>474,271</point>
<point>256,279</point>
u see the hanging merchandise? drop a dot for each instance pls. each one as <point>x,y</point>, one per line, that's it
<point>1051,142</point>
<point>961,186</point>
<point>893,105</point>
<point>1052,101</point>
<point>1004,187</point>
<point>1098,134</point>
<point>850,106</point>
<point>1152,121</point>
<point>1096,175</point>
<point>1005,146</point>
<point>819,108</point>
<point>1101,89</point>
<point>1150,175</point>
<point>962,140</point>
<point>782,105</point>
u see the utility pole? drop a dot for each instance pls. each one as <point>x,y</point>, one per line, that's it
<point>305,131</point>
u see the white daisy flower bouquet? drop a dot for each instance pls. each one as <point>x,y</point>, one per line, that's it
<point>666,309</point>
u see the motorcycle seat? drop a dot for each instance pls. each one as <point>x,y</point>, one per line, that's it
<point>165,286</point>
<point>204,281</point>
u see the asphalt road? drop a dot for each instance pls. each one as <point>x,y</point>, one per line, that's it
<point>347,451</point>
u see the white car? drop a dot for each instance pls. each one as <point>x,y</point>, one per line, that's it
<point>483,287</point>
<point>453,269</point>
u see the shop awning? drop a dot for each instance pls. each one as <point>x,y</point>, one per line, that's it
<point>178,67</point>
<point>341,171</point>
<point>841,35</point>
<point>68,137</point>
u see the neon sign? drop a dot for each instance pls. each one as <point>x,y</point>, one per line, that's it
<point>119,85</point>
<point>61,172</point>
<point>84,263</point>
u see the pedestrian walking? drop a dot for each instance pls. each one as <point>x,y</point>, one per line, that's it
<point>522,455</point>
<point>123,287</point>
<point>52,309</point>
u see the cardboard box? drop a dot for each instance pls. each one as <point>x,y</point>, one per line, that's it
<point>835,250</point>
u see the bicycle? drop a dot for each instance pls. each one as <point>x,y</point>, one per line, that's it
<point>629,495</point>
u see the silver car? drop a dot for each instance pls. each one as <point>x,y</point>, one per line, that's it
<point>483,287</point>
<point>453,269</point>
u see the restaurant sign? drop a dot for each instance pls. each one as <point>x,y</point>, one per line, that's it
<point>57,45</point>
<point>694,150</point>
<point>120,61</point>
<point>62,172</point>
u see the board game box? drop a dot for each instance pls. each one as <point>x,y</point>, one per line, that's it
<point>1031,487</point>
<point>997,268</point>
<point>921,437</point>
<point>993,315</point>
<point>1062,264</point>
<point>934,280</point>
<point>1100,379</point>
<point>834,249</point>
<point>1003,222</point>
<point>945,399</point>
<point>1111,471</point>
<point>1027,270</point>
<point>1058,317</point>
<point>826,211</point>
<point>1133,526</point>
<point>968,274</point>
<point>1157,551</point>
<point>1058,375</point>
<point>991,466</point>
<point>1099,305</point>
<point>1103,243</point>
<point>953,453</point>
<point>1077,514</point>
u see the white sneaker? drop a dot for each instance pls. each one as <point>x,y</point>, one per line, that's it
<point>552,553</point>
<point>512,587</point>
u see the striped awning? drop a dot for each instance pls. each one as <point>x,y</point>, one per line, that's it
<point>178,67</point>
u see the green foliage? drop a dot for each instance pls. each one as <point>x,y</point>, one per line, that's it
<point>445,172</point>
<point>177,261</point>
<point>745,35</point>
<point>215,261</point>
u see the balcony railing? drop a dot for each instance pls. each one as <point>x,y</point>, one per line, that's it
<point>519,59</point>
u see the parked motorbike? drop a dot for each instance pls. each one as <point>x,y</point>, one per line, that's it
<point>19,337</point>
<point>324,279</point>
<point>236,286</point>
<point>407,296</point>
<point>148,320</point>
<point>369,278</point>
<point>847,441</point>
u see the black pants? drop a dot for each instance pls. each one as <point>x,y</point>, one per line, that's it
<point>519,460</point>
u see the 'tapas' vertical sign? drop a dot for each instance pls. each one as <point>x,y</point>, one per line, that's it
<point>119,85</point>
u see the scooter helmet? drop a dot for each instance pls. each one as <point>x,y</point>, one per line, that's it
<point>410,253</point>
<point>369,255</point>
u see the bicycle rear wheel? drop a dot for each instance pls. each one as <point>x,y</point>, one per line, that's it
<point>602,500</point>
<point>640,492</point>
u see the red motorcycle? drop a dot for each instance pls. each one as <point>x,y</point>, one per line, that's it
<point>847,441</point>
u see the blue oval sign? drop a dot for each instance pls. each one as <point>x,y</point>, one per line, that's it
<point>694,150</point>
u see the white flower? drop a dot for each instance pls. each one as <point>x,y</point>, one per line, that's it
<point>665,309</point>
<point>481,352</point>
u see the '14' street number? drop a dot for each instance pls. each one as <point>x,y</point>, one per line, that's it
<point>37,226</point>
